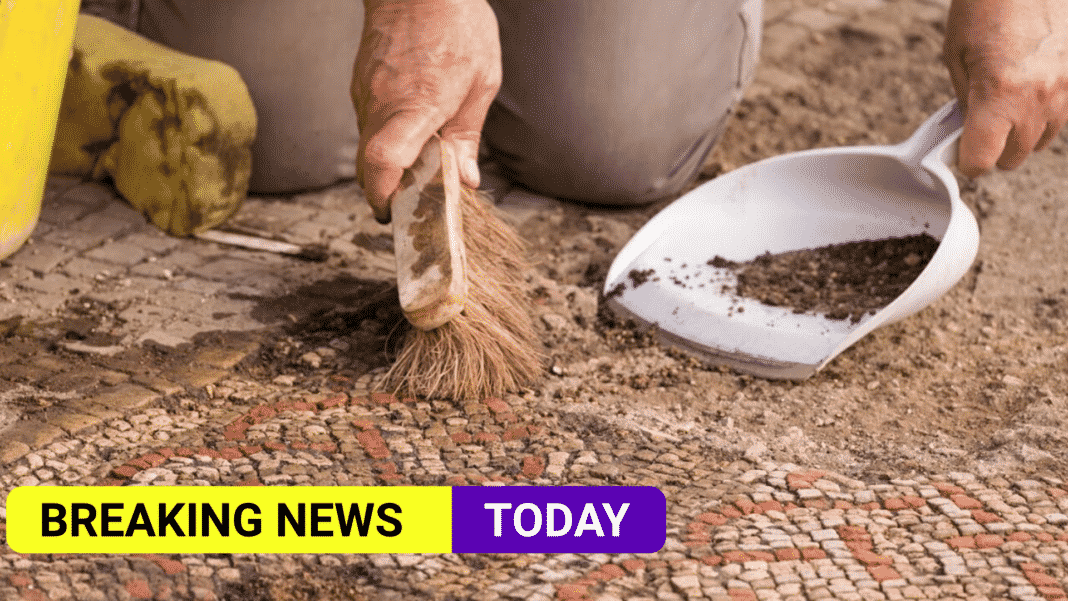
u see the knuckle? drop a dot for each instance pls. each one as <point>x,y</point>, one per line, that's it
<point>380,154</point>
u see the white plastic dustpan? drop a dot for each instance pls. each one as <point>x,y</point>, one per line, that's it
<point>800,200</point>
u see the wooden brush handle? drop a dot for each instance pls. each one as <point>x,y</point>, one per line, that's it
<point>428,239</point>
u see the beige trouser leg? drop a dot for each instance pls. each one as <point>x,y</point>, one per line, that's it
<point>603,101</point>
<point>617,102</point>
<point>296,57</point>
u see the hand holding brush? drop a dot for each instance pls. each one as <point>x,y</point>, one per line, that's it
<point>461,283</point>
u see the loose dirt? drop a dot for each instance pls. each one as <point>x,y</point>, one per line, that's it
<point>840,281</point>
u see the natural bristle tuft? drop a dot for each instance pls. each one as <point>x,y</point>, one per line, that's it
<point>492,347</point>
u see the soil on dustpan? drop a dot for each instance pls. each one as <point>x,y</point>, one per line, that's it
<point>840,281</point>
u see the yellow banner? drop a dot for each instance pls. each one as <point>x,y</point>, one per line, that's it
<point>230,519</point>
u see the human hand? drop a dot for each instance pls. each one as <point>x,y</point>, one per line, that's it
<point>1008,60</point>
<point>423,66</point>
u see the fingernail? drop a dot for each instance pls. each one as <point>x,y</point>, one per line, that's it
<point>471,171</point>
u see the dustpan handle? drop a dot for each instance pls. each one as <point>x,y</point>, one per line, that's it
<point>944,125</point>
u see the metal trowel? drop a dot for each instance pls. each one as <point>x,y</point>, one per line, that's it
<point>794,201</point>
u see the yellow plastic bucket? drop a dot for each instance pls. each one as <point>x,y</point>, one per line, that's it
<point>35,45</point>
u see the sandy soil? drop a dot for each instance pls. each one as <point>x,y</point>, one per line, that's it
<point>977,381</point>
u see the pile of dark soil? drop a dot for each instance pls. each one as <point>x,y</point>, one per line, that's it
<point>841,281</point>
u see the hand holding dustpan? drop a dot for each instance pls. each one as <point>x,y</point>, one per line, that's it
<point>800,200</point>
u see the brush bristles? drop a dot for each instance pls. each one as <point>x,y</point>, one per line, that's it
<point>491,348</point>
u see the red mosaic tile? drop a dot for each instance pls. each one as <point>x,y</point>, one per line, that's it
<point>871,559</point>
<point>390,477</point>
<point>947,488</point>
<point>382,398</point>
<point>125,471</point>
<point>853,533</point>
<point>810,553</point>
<point>154,459</point>
<point>1019,537</point>
<point>1052,593</point>
<point>843,505</point>
<point>533,466</point>
<point>386,467</point>
<point>988,541</point>
<point>596,575</point>
<point>139,589</point>
<point>517,433</point>
<point>20,580</point>
<point>324,447</point>
<point>613,570</point>
<point>261,413</point>
<point>820,504</point>
<point>460,437</point>
<point>496,405</point>
<point>230,453</point>
<point>771,505</point>
<point>762,555</point>
<point>1041,579</point>
<point>166,452</point>
<point>859,545</point>
<point>895,504</point>
<point>1045,537</point>
<point>232,433</point>
<point>483,437</point>
<point>985,517</point>
<point>109,482</point>
<point>712,560</point>
<point>338,400</point>
<point>741,594</point>
<point>697,527</point>
<point>455,481</point>
<point>965,502</point>
<point>730,512</point>
<point>787,554</point>
<point>735,556</point>
<point>275,445</point>
<point>1056,493</point>
<point>572,591</point>
<point>250,449</point>
<point>713,518</point>
<point>139,463</point>
<point>299,445</point>
<point>961,542</point>
<point>883,572</point>
<point>746,506</point>
<point>33,595</point>
<point>633,565</point>
<point>870,506</point>
<point>370,439</point>
<point>250,482</point>
<point>914,501</point>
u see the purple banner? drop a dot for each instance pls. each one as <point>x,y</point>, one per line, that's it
<point>558,519</point>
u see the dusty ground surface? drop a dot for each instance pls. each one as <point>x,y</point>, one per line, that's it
<point>129,357</point>
<point>976,381</point>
